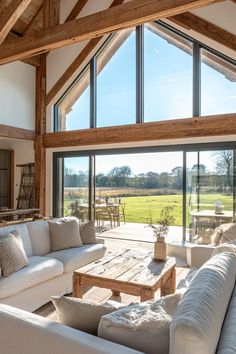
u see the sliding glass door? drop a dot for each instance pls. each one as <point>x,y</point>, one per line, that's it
<point>133,186</point>
<point>210,192</point>
<point>71,190</point>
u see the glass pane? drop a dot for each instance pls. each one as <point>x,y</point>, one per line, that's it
<point>76,187</point>
<point>142,184</point>
<point>211,193</point>
<point>74,109</point>
<point>167,75</point>
<point>116,81</point>
<point>218,85</point>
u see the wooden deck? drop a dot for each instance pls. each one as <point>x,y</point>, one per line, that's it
<point>100,295</point>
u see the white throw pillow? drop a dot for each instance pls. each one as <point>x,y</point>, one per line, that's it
<point>64,233</point>
<point>144,326</point>
<point>197,323</point>
<point>80,314</point>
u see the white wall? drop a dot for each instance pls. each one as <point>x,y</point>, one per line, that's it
<point>24,153</point>
<point>17,95</point>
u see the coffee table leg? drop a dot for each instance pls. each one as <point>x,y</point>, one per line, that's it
<point>146,294</point>
<point>77,286</point>
<point>170,285</point>
<point>115,293</point>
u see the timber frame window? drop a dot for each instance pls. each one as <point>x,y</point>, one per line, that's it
<point>202,63</point>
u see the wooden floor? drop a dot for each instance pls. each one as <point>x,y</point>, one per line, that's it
<point>100,295</point>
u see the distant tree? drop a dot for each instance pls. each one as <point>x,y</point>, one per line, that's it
<point>201,168</point>
<point>120,175</point>
<point>224,164</point>
<point>177,173</point>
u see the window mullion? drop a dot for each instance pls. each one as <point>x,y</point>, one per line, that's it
<point>140,74</point>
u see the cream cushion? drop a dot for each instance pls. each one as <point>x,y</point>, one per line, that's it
<point>228,232</point>
<point>87,233</point>
<point>38,270</point>
<point>12,254</point>
<point>79,314</point>
<point>227,343</point>
<point>22,332</point>
<point>196,325</point>
<point>39,234</point>
<point>225,247</point>
<point>64,233</point>
<point>143,326</point>
<point>73,258</point>
<point>23,232</point>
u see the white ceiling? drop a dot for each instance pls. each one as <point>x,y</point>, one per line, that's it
<point>222,14</point>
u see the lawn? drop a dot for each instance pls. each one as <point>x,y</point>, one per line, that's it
<point>137,207</point>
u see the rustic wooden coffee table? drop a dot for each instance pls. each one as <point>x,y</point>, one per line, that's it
<point>129,271</point>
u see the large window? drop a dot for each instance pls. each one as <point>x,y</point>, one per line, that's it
<point>73,110</point>
<point>153,73</point>
<point>168,75</point>
<point>218,85</point>
<point>116,81</point>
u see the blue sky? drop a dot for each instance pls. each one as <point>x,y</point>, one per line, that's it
<point>168,94</point>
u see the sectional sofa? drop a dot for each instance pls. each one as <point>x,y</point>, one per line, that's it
<point>203,322</point>
<point>48,273</point>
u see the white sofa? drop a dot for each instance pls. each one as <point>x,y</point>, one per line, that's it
<point>48,273</point>
<point>204,321</point>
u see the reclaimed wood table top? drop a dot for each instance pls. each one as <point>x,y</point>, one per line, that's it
<point>132,267</point>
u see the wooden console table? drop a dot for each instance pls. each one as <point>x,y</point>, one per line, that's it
<point>129,271</point>
<point>18,213</point>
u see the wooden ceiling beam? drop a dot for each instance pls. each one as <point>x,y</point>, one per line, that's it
<point>122,16</point>
<point>77,62</point>
<point>207,29</point>
<point>76,10</point>
<point>31,26</point>
<point>10,15</point>
<point>51,13</point>
<point>7,131</point>
<point>196,127</point>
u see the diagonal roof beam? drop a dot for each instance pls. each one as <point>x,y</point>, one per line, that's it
<point>76,10</point>
<point>207,29</point>
<point>77,62</point>
<point>123,16</point>
<point>10,15</point>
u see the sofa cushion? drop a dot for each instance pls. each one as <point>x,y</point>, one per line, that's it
<point>197,323</point>
<point>38,270</point>
<point>88,233</point>
<point>23,232</point>
<point>80,314</point>
<point>40,237</point>
<point>64,233</point>
<point>12,254</point>
<point>228,232</point>
<point>143,326</point>
<point>227,343</point>
<point>74,258</point>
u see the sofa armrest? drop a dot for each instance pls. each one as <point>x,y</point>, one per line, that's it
<point>197,255</point>
<point>100,240</point>
<point>26,333</point>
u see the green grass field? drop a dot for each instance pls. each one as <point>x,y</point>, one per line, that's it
<point>137,208</point>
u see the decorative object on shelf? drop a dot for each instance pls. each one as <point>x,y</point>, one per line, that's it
<point>161,230</point>
<point>219,207</point>
<point>26,198</point>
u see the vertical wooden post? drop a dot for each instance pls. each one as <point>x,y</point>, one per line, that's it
<point>51,12</point>
<point>40,128</point>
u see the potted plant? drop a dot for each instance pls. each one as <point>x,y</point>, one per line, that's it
<point>160,230</point>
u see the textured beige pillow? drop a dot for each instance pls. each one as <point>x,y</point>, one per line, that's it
<point>87,233</point>
<point>80,314</point>
<point>12,254</point>
<point>144,326</point>
<point>228,232</point>
<point>225,247</point>
<point>64,233</point>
